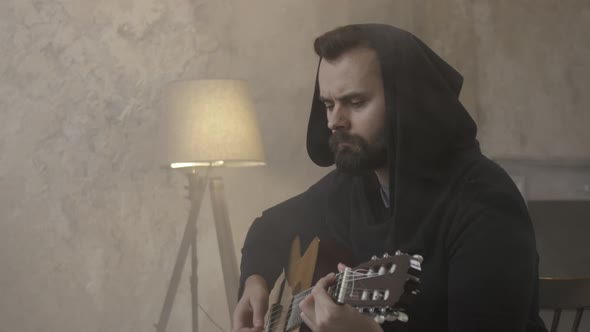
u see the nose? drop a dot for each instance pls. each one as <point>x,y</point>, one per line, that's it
<point>338,119</point>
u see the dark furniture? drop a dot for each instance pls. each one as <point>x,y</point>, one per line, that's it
<point>563,293</point>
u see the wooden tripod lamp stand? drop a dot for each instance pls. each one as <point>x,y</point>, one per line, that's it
<point>207,124</point>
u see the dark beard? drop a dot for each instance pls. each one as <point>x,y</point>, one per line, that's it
<point>353,155</point>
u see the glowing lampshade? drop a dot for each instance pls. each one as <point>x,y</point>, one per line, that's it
<point>209,123</point>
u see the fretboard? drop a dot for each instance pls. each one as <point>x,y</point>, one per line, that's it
<point>294,312</point>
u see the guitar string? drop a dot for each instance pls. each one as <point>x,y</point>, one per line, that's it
<point>299,297</point>
<point>355,273</point>
<point>276,315</point>
<point>361,276</point>
<point>296,300</point>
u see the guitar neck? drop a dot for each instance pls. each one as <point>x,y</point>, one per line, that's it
<point>294,312</point>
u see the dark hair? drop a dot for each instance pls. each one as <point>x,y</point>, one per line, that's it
<point>334,43</point>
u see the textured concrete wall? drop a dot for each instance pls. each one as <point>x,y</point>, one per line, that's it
<point>525,64</point>
<point>90,226</point>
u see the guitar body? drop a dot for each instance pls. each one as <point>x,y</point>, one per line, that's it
<point>303,271</point>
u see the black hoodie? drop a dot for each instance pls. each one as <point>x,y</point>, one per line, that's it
<point>448,203</point>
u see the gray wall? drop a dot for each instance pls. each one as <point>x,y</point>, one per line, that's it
<point>89,225</point>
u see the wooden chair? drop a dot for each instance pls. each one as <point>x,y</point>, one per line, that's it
<point>559,294</point>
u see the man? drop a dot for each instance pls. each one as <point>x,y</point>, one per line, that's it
<point>410,176</point>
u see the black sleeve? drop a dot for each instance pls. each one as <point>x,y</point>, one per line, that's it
<point>492,272</point>
<point>266,249</point>
<point>267,245</point>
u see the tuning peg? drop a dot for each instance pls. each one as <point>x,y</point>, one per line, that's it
<point>391,318</point>
<point>374,258</point>
<point>385,255</point>
<point>379,319</point>
<point>397,253</point>
<point>419,258</point>
<point>402,317</point>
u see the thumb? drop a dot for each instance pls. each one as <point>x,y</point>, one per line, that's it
<point>259,308</point>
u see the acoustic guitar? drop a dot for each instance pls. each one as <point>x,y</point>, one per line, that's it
<point>381,288</point>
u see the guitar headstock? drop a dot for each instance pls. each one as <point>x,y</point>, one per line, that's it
<point>381,287</point>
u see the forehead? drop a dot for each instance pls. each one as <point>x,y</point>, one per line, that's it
<point>355,70</point>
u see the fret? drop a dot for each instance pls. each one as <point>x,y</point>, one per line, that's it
<point>294,313</point>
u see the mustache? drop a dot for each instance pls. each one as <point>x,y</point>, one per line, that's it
<point>354,142</point>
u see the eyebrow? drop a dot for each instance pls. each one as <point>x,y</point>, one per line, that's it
<point>347,96</point>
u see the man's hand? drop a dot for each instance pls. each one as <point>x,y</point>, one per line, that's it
<point>321,314</point>
<point>250,311</point>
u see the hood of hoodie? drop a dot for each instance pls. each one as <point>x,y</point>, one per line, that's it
<point>431,137</point>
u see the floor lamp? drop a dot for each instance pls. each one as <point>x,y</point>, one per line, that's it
<point>206,124</point>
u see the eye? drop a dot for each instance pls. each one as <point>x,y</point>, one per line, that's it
<point>357,103</point>
<point>329,107</point>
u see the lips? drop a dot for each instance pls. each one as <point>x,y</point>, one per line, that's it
<point>348,146</point>
<point>342,142</point>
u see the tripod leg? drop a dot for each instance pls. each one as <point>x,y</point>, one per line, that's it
<point>197,185</point>
<point>225,241</point>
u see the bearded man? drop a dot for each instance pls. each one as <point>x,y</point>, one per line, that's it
<point>409,176</point>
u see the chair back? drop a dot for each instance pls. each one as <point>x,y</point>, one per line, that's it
<point>563,293</point>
